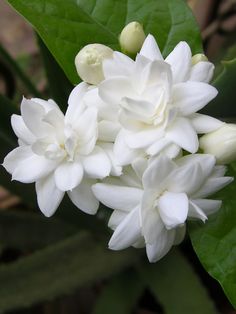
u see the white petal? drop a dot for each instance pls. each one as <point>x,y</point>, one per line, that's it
<point>187,179</point>
<point>161,246</point>
<point>127,233</point>
<point>173,209</point>
<point>108,130</point>
<point>117,197</point>
<point>114,89</point>
<point>119,65</point>
<point>122,152</point>
<point>83,197</point>
<point>157,146</point>
<point>75,105</point>
<point>143,138</point>
<point>15,157</point>
<point>140,165</point>
<point>32,114</point>
<point>196,212</point>
<point>208,206</point>
<point>179,234</point>
<point>150,49</point>
<point>206,161</point>
<point>33,168</point>
<point>86,126</point>
<point>152,224</point>
<point>116,169</point>
<point>204,124</point>
<point>48,195</point>
<point>202,72</point>
<point>116,218</point>
<point>68,175</point>
<point>180,61</point>
<point>183,134</point>
<point>46,104</point>
<point>211,186</point>
<point>97,165</point>
<point>159,168</point>
<point>20,129</point>
<point>190,97</point>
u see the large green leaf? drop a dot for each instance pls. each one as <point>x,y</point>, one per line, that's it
<point>67,26</point>
<point>176,286</point>
<point>224,104</point>
<point>215,241</point>
<point>59,269</point>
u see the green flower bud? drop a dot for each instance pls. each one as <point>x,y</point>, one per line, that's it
<point>89,60</point>
<point>132,38</point>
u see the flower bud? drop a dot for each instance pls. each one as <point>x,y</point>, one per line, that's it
<point>199,57</point>
<point>221,143</point>
<point>89,60</point>
<point>132,38</point>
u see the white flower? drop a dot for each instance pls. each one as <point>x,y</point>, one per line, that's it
<point>157,100</point>
<point>221,143</point>
<point>132,38</point>
<point>89,60</point>
<point>151,205</point>
<point>58,152</point>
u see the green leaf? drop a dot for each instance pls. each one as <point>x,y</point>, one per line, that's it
<point>176,286</point>
<point>58,270</point>
<point>67,26</point>
<point>223,105</point>
<point>120,294</point>
<point>59,85</point>
<point>22,230</point>
<point>215,241</point>
<point>16,69</point>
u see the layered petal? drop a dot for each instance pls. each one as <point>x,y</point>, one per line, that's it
<point>49,196</point>
<point>190,97</point>
<point>117,197</point>
<point>97,164</point>
<point>83,197</point>
<point>68,175</point>
<point>127,233</point>
<point>173,209</point>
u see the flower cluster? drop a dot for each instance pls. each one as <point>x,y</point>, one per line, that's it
<point>129,139</point>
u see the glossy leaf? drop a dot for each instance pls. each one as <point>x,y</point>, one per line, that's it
<point>176,286</point>
<point>58,270</point>
<point>67,26</point>
<point>215,241</point>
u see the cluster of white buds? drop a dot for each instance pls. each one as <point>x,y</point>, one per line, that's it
<point>129,139</point>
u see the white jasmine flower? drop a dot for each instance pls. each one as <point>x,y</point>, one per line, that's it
<point>151,205</point>
<point>157,100</point>
<point>58,152</point>
<point>89,60</point>
<point>132,38</point>
<point>221,143</point>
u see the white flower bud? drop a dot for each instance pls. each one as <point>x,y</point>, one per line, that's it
<point>199,57</point>
<point>89,60</point>
<point>221,143</point>
<point>132,38</point>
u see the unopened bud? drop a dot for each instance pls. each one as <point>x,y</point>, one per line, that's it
<point>199,57</point>
<point>132,38</point>
<point>221,143</point>
<point>89,60</point>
